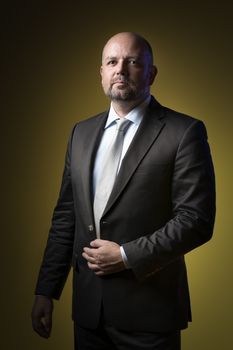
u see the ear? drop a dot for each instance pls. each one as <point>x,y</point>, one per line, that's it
<point>153,73</point>
<point>101,70</point>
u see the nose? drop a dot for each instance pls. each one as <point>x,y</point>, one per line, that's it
<point>122,68</point>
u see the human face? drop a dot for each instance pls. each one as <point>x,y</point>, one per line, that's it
<point>127,71</point>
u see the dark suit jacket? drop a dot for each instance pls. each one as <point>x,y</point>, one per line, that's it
<point>161,207</point>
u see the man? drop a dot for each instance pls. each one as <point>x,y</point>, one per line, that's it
<point>127,213</point>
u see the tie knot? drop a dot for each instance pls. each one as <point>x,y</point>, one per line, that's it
<point>122,124</point>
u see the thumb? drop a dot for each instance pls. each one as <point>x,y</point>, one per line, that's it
<point>47,321</point>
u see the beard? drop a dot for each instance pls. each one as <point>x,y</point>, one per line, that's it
<point>127,92</point>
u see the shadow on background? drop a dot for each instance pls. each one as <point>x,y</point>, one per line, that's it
<point>50,80</point>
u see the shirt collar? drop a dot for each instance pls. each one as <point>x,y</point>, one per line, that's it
<point>135,115</point>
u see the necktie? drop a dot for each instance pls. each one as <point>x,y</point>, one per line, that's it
<point>109,171</point>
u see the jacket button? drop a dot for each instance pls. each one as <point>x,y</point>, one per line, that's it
<point>90,228</point>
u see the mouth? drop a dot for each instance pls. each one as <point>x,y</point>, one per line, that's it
<point>120,82</point>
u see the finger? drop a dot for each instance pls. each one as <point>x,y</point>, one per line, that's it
<point>99,267</point>
<point>40,329</point>
<point>98,243</point>
<point>104,271</point>
<point>93,267</point>
<point>47,321</point>
<point>100,273</point>
<point>88,257</point>
<point>89,251</point>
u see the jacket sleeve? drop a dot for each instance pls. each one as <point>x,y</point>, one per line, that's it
<point>56,261</point>
<point>193,208</point>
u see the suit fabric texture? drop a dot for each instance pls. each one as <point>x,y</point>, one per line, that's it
<point>161,207</point>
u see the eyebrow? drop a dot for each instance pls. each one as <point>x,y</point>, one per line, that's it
<point>110,58</point>
<point>115,58</point>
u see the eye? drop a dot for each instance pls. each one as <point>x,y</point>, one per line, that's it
<point>132,61</point>
<point>111,62</point>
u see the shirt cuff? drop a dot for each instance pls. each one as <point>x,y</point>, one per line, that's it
<point>124,258</point>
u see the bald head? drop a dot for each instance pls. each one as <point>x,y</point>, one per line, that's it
<point>130,38</point>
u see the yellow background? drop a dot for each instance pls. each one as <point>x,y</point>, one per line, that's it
<point>51,79</point>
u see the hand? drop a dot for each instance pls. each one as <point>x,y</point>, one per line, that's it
<point>104,257</point>
<point>42,315</point>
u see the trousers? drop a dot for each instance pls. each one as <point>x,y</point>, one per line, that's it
<point>107,337</point>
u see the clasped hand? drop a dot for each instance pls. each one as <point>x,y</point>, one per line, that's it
<point>103,257</point>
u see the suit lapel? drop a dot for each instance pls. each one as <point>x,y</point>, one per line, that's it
<point>146,135</point>
<point>92,137</point>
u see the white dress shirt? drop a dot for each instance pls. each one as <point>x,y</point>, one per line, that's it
<point>135,116</point>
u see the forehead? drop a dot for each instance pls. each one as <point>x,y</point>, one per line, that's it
<point>123,46</point>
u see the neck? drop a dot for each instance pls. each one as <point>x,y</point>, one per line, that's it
<point>122,108</point>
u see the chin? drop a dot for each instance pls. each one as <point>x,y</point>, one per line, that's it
<point>121,95</point>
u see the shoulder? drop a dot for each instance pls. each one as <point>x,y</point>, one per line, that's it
<point>89,125</point>
<point>183,122</point>
<point>92,120</point>
<point>169,115</point>
<point>175,122</point>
